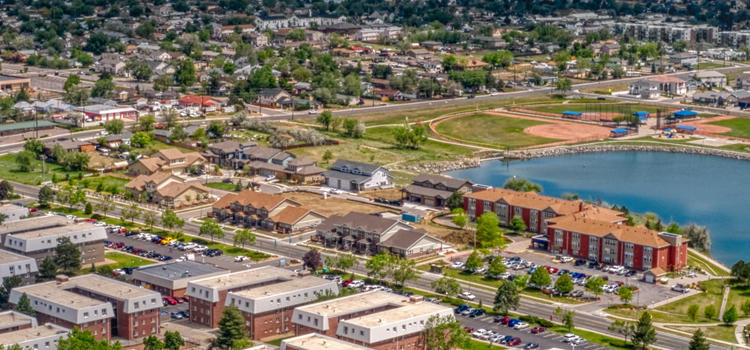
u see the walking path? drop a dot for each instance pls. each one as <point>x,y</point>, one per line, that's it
<point>724,302</point>
<point>711,260</point>
<point>739,329</point>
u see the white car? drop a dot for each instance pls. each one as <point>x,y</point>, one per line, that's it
<point>457,265</point>
<point>312,111</point>
<point>356,284</point>
<point>566,259</point>
<point>337,191</point>
<point>467,296</point>
<point>240,258</point>
<point>569,337</point>
<point>478,333</point>
<point>521,325</point>
<point>578,341</point>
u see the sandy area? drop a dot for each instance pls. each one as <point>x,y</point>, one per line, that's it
<point>332,205</point>
<point>705,128</point>
<point>569,132</point>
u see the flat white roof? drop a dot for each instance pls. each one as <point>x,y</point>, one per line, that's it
<point>353,303</point>
<point>51,292</point>
<point>10,257</point>
<point>110,287</point>
<point>408,310</point>
<point>315,341</point>
<point>54,231</point>
<point>282,287</point>
<point>12,318</point>
<point>23,335</point>
<point>244,277</point>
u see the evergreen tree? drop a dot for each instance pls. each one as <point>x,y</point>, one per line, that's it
<point>24,305</point>
<point>67,256</point>
<point>698,342</point>
<point>173,340</point>
<point>47,269</point>
<point>8,284</point>
<point>231,330</point>
<point>506,298</point>
<point>645,333</point>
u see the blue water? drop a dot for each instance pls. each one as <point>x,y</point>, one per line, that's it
<point>685,188</point>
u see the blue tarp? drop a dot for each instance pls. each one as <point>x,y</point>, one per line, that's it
<point>686,127</point>
<point>641,114</point>
<point>577,114</point>
<point>643,119</point>
<point>619,131</point>
<point>684,114</point>
<point>668,130</point>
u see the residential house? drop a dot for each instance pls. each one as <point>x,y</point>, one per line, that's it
<point>686,59</point>
<point>265,211</point>
<point>434,190</point>
<point>711,78</point>
<point>644,89</point>
<point>664,84</point>
<point>715,98</point>
<point>200,103</point>
<point>272,97</point>
<point>357,176</point>
<point>111,63</point>
<point>168,190</point>
<point>743,81</point>
<point>168,160</point>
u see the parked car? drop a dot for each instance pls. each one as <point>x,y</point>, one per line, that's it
<point>514,342</point>
<point>476,312</point>
<point>680,288</point>
<point>531,346</point>
<point>538,329</point>
<point>467,296</point>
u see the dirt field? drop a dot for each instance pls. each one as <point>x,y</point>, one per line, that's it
<point>332,206</point>
<point>96,160</point>
<point>705,128</point>
<point>390,194</point>
<point>570,132</point>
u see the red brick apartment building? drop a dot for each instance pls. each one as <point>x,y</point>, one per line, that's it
<point>266,297</point>
<point>377,320</point>
<point>581,230</point>
<point>104,306</point>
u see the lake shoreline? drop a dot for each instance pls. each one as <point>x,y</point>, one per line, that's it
<point>570,150</point>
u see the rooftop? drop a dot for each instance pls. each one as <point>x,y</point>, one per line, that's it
<point>179,270</point>
<point>315,341</point>
<point>4,77</point>
<point>530,200</point>
<point>108,286</point>
<point>33,224</point>
<point>54,231</point>
<point>245,277</point>
<point>52,292</point>
<point>283,287</point>
<point>407,311</point>
<point>27,334</point>
<point>9,257</point>
<point>25,125</point>
<point>12,318</point>
<point>353,303</point>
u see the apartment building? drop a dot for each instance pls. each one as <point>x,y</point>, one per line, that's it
<point>38,237</point>
<point>208,296</point>
<point>12,321</point>
<point>377,320</point>
<point>314,341</point>
<point>434,190</point>
<point>102,305</point>
<point>636,247</point>
<point>12,264</point>
<point>13,212</point>
<point>172,278</point>
<point>268,309</point>
<point>45,337</point>
<point>269,212</point>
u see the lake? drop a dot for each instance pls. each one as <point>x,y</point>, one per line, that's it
<point>685,188</point>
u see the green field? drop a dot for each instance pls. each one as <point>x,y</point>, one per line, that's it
<point>492,131</point>
<point>126,260</point>
<point>106,183</point>
<point>740,127</point>
<point>722,332</point>
<point>226,186</point>
<point>9,171</point>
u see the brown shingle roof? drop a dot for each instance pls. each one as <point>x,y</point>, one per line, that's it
<point>151,164</point>
<point>366,222</point>
<point>170,153</point>
<point>529,200</point>
<point>290,215</point>
<point>175,189</point>
<point>141,180</point>
<point>256,199</point>
<point>447,181</point>
<point>404,239</point>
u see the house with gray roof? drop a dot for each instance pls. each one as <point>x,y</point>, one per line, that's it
<point>434,190</point>
<point>355,176</point>
<point>411,243</point>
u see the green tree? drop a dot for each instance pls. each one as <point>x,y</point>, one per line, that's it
<point>327,155</point>
<point>67,256</point>
<point>312,260</point>
<point>150,219</point>
<point>404,270</point>
<point>211,228</point>
<point>488,232</point>
<point>444,333</point>
<point>71,82</point>
<point>497,59</point>
<point>745,307</point>
<point>379,266</point>
<point>79,340</point>
<point>25,161</point>
<point>564,284</point>
<point>473,262</point>
<point>140,70</point>
<point>152,343</point>
<point>34,146</point>
<point>131,213</point>
<point>595,284</point>
<point>46,195</point>
<point>568,318</point>
<point>564,85</point>
<point>517,224</point>
<point>6,190</point>
<point>496,268</point>
<point>216,129</point>
<point>103,88</point>
<point>730,315</point>
<point>521,281</point>
<point>8,284</point>
<point>625,328</point>
<point>626,294</point>
<point>184,73</point>
<point>163,82</point>
<point>455,201</point>
<point>448,286</point>
<point>146,123</point>
<point>692,312</point>
<point>645,333</point>
<point>709,311</point>
<point>522,185</point>
<point>231,334</point>
<point>173,340</point>
<point>459,218</point>
<point>409,136</point>
<point>540,277</point>
<point>89,209</point>
<point>141,139</point>
<point>47,269</point>
<point>699,342</point>
<point>24,305</point>
<point>243,237</point>
<point>325,119</point>
<point>114,126</point>
<point>170,220</point>
<point>506,297</point>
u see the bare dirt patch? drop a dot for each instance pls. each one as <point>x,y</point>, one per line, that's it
<point>332,205</point>
<point>705,128</point>
<point>570,132</point>
<point>391,194</point>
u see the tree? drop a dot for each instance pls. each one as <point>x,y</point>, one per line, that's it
<point>46,195</point>
<point>473,262</point>
<point>409,136</point>
<point>152,343</point>
<point>170,220</point>
<point>103,88</point>
<point>456,200</point>
<point>67,256</point>
<point>24,160</point>
<point>517,224</point>
<point>626,294</point>
<point>140,70</point>
<point>564,284</point>
<point>97,43</point>
<point>567,318</point>
<point>163,82</point>
<point>699,342</point>
<point>404,270</point>
<point>522,185</point>
<point>327,155</point>
<point>131,213</point>
<point>325,119</point>
<point>345,262</point>
<point>184,72</point>
<point>352,85</point>
<point>506,297</point>
<point>645,333</point>
<point>150,219</point>
<point>353,129</point>
<point>47,269</point>
<point>444,333</point>
<point>311,259</point>
<point>496,268</point>
<point>730,315</point>
<point>243,237</point>
<point>215,129</point>
<point>709,311</point>
<point>6,190</point>
<point>89,209</point>
<point>141,139</point>
<point>380,265</point>
<point>71,82</point>
<point>24,305</point>
<point>745,307</point>
<point>625,328</point>
<point>114,126</point>
<point>501,58</point>
<point>699,237</point>
<point>211,228</point>
<point>173,340</point>
<point>459,218</point>
<point>488,231</point>
<point>540,277</point>
<point>448,286</point>
<point>8,284</point>
<point>521,281</point>
<point>564,85</point>
<point>146,123</point>
<point>594,285</point>
<point>231,330</point>
<point>692,312</point>
<point>34,146</point>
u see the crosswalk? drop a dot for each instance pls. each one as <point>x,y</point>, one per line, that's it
<point>546,335</point>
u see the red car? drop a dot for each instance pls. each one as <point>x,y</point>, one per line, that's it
<point>32,210</point>
<point>347,282</point>
<point>551,269</point>
<point>538,329</point>
<point>514,341</point>
<point>170,300</point>
<point>504,320</point>
<point>469,329</point>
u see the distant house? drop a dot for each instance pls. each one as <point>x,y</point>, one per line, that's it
<point>204,103</point>
<point>434,190</point>
<point>715,98</point>
<point>272,97</point>
<point>357,176</point>
<point>684,58</point>
<point>644,89</point>
<point>111,63</point>
<point>711,78</point>
<point>168,190</point>
<point>654,86</point>
<point>743,81</point>
<point>99,113</point>
<point>169,160</point>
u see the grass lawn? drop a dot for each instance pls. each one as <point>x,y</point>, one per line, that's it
<point>709,65</point>
<point>582,108</point>
<point>9,171</point>
<point>712,296</point>
<point>740,127</point>
<point>127,260</point>
<point>725,333</point>
<point>226,186</point>
<point>695,260</point>
<point>478,345</point>
<point>596,338</point>
<point>156,145</point>
<point>491,130</point>
<point>105,183</point>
